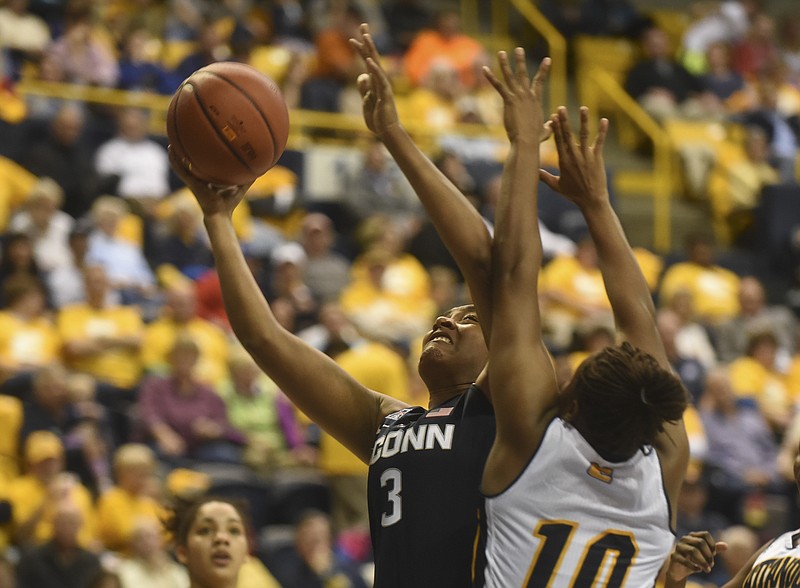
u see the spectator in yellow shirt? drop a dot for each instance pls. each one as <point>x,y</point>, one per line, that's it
<point>38,494</point>
<point>573,291</point>
<point>178,317</point>
<point>755,376</point>
<point>121,507</point>
<point>104,340</point>
<point>28,338</point>
<point>714,289</point>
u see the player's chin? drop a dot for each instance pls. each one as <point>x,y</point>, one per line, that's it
<point>431,352</point>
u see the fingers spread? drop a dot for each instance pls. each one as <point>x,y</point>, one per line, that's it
<point>496,84</point>
<point>505,67</point>
<point>584,129</point>
<point>602,133</point>
<point>563,125</point>
<point>541,75</point>
<point>522,67</point>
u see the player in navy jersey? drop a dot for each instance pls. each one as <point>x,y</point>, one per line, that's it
<point>578,484</point>
<point>776,564</point>
<point>425,463</point>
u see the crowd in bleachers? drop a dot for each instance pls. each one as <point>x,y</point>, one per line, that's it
<point>121,383</point>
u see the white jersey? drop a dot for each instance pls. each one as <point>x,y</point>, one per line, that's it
<point>777,565</point>
<point>573,519</point>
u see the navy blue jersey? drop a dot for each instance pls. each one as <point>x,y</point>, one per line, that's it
<point>424,492</point>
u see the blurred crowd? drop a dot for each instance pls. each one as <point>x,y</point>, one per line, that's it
<point>121,383</point>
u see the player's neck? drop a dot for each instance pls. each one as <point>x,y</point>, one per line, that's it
<point>442,394</point>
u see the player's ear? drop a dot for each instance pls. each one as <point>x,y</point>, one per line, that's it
<point>568,406</point>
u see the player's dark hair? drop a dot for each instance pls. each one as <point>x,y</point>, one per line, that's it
<point>182,514</point>
<point>624,397</point>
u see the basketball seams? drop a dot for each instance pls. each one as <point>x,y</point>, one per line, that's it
<point>275,151</point>
<point>218,132</point>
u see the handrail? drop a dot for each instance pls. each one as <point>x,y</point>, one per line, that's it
<point>556,43</point>
<point>301,120</point>
<point>663,152</point>
<point>557,46</point>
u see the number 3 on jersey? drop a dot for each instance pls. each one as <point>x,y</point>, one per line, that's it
<point>392,481</point>
<point>609,554</point>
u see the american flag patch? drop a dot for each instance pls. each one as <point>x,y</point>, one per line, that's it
<point>440,412</point>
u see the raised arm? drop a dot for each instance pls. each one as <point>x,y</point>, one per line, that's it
<point>523,378</point>
<point>459,224</point>
<point>348,411</point>
<point>583,181</point>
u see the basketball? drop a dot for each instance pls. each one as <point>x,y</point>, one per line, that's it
<point>228,123</point>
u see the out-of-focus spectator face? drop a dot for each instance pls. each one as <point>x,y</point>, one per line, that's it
<point>317,232</point>
<point>41,210</point>
<point>136,45</point>
<point>701,253</point>
<point>96,284</point>
<point>133,124</point>
<point>50,69</point>
<point>146,539</point>
<point>67,125</point>
<point>49,389</point>
<point>655,44</point>
<point>751,296</point>
<point>312,536</point>
<point>443,80</point>
<point>244,372</point>
<point>693,497</point>
<point>763,27</point>
<point>67,523</point>
<point>182,302</point>
<point>78,33</point>
<point>209,38</point>
<point>668,327</point>
<point>19,251</point>
<point>756,145</point>
<point>682,304</point>
<point>135,477</point>
<point>718,389</point>
<point>764,351</point>
<point>107,212</point>
<point>718,56</point>
<point>183,360</point>
<point>449,24</point>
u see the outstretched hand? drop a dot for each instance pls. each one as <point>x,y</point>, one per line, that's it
<point>213,199</point>
<point>694,553</point>
<point>582,176</point>
<point>377,98</point>
<point>522,98</point>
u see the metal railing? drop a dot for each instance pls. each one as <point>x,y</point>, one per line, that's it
<point>499,26</point>
<point>304,128</point>
<point>603,84</point>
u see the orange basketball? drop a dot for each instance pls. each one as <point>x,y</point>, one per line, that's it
<point>228,122</point>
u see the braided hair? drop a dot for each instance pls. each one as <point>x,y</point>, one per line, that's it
<point>624,397</point>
